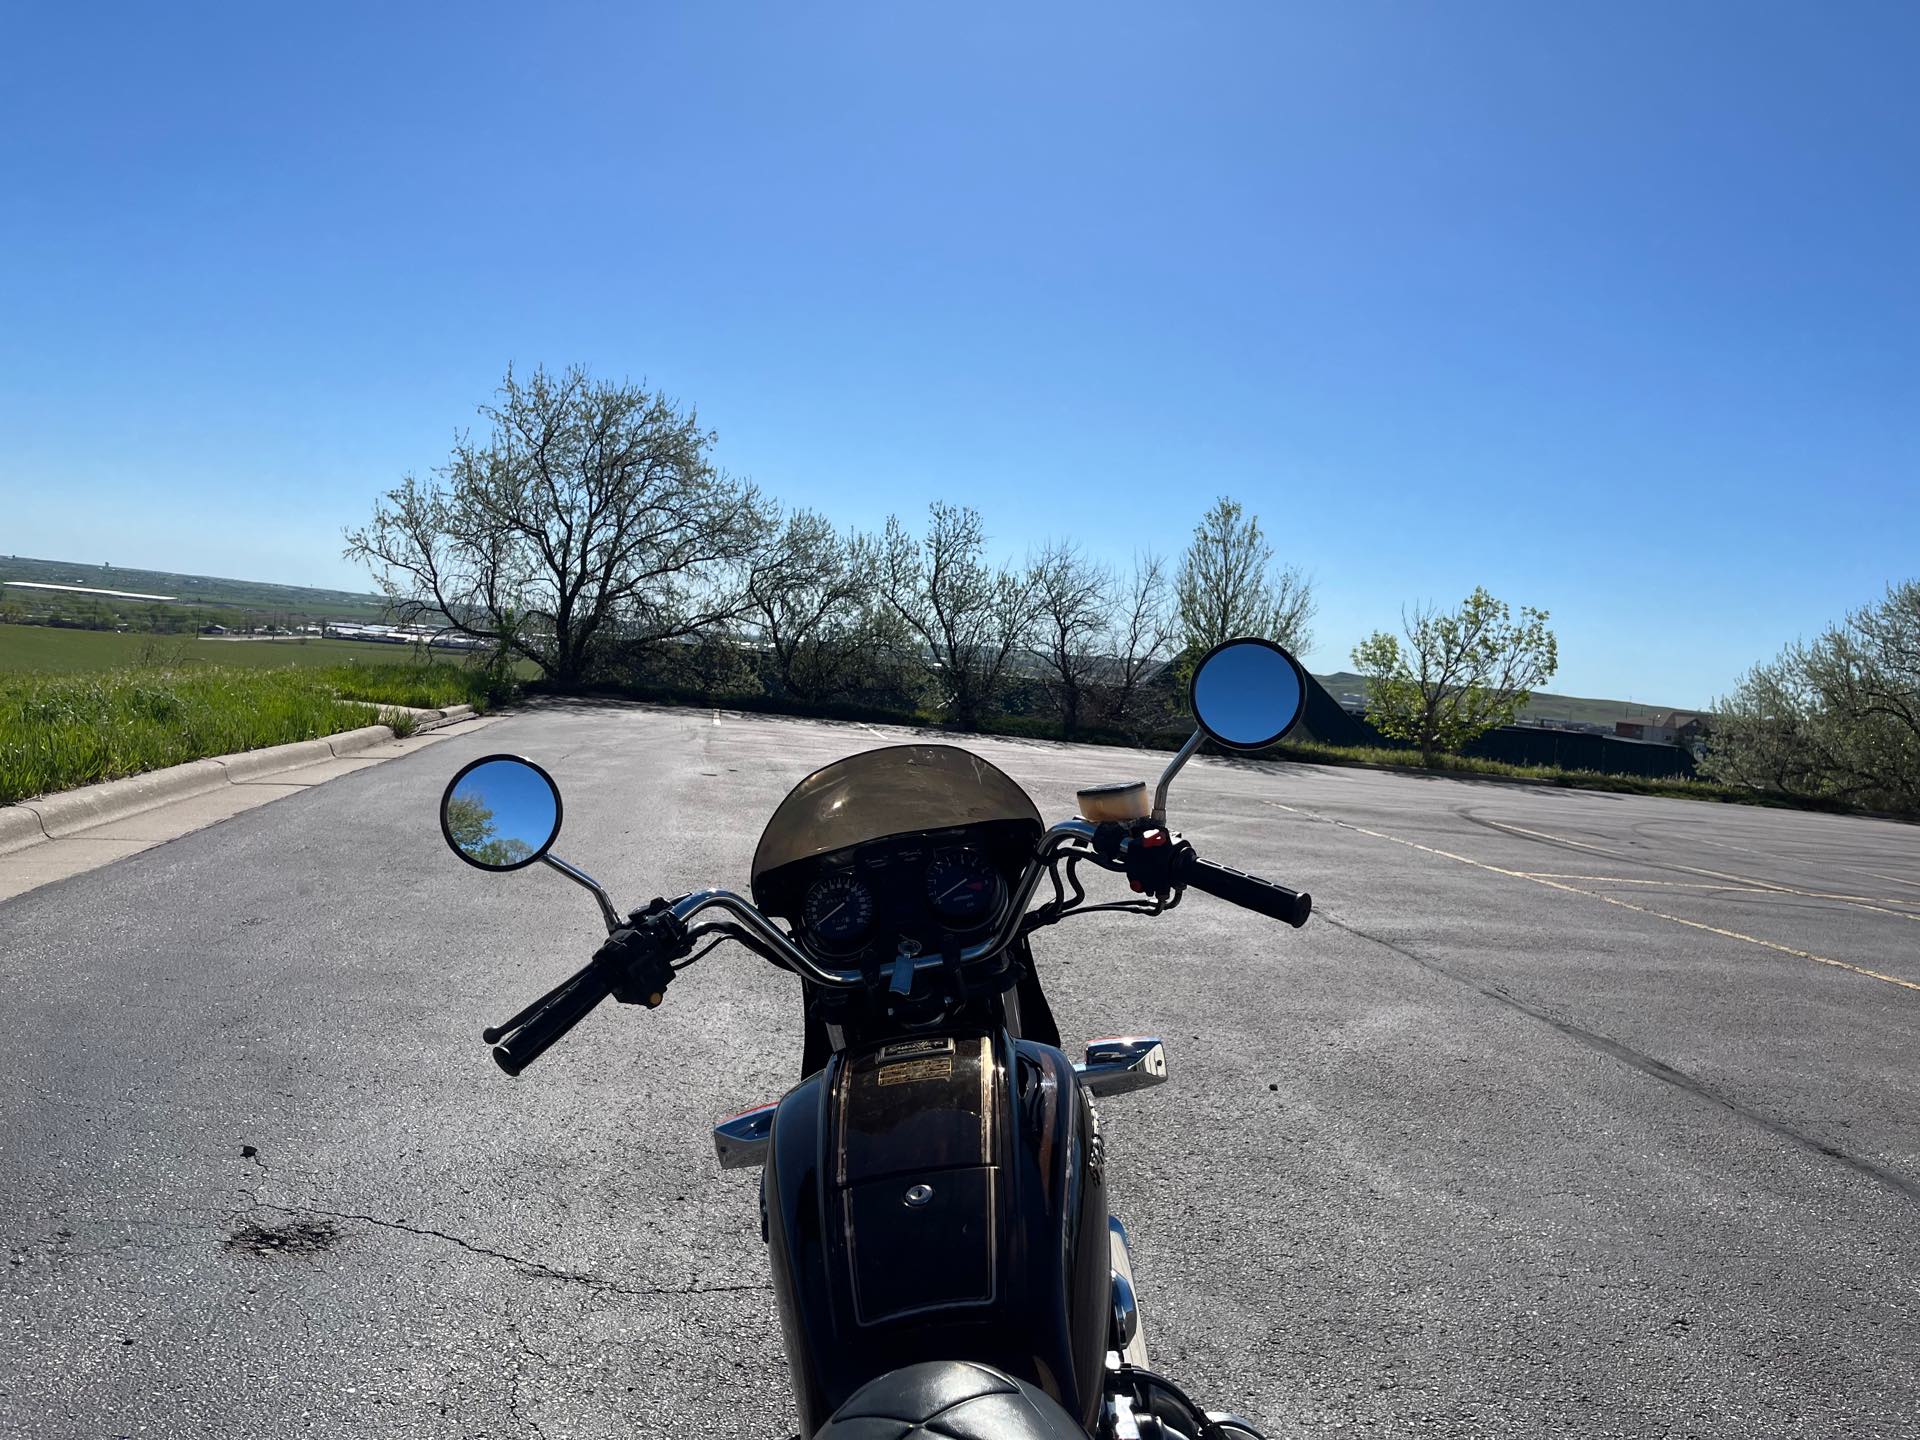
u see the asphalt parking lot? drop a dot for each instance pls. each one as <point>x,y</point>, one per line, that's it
<point>1567,1114</point>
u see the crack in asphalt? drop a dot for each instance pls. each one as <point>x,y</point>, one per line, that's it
<point>1899,1184</point>
<point>516,1407</point>
<point>525,1265</point>
<point>531,1268</point>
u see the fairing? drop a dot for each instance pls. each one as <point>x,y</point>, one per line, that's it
<point>899,790</point>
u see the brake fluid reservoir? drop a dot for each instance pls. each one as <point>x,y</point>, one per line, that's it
<point>1123,802</point>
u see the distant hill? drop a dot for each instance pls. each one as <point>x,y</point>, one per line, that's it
<point>1544,705</point>
<point>198,590</point>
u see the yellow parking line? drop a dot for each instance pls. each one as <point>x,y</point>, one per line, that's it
<point>1784,860</point>
<point>1798,954</point>
<point>1862,902</point>
<point>1626,880</point>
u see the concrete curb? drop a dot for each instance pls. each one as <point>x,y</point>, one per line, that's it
<point>251,764</point>
<point>349,741</point>
<point>90,805</point>
<point>71,812</point>
<point>19,828</point>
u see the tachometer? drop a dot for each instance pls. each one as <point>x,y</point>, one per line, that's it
<point>963,888</point>
<point>839,911</point>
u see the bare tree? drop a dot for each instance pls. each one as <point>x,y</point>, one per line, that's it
<point>1139,636</point>
<point>1073,599</point>
<point>590,511</point>
<point>1228,586</point>
<point>807,599</point>
<point>970,616</point>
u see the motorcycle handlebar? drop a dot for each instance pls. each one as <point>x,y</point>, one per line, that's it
<point>520,1043</point>
<point>1067,834</point>
<point>574,999</point>
<point>1250,891</point>
<point>571,1003</point>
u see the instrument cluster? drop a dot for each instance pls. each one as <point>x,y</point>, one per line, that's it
<point>919,888</point>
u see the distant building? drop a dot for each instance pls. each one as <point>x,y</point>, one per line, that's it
<point>1667,727</point>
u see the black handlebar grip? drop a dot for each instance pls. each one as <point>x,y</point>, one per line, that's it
<point>570,1005</point>
<point>1250,891</point>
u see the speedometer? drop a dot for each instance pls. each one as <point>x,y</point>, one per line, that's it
<point>839,911</point>
<point>963,888</point>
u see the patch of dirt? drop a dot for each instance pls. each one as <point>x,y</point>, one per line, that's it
<point>296,1236</point>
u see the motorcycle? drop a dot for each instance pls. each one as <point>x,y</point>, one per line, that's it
<point>933,1191</point>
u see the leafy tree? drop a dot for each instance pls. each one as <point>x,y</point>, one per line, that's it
<point>1836,719</point>
<point>1073,602</point>
<point>1229,586</point>
<point>470,822</point>
<point>1460,673</point>
<point>971,617</point>
<point>503,851</point>
<point>590,509</point>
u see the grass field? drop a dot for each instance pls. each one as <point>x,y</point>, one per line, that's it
<point>197,590</point>
<point>49,651</point>
<point>79,706</point>
<point>1471,766</point>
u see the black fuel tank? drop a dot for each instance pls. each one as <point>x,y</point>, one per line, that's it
<point>939,1199</point>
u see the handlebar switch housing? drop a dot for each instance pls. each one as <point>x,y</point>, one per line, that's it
<point>642,953</point>
<point>1153,858</point>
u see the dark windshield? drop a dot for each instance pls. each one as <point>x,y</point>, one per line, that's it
<point>888,792</point>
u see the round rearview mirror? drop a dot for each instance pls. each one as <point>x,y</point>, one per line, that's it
<point>1248,693</point>
<point>500,812</point>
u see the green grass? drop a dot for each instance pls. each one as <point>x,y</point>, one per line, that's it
<point>1468,766</point>
<point>58,731</point>
<point>424,687</point>
<point>91,722</point>
<point>45,649</point>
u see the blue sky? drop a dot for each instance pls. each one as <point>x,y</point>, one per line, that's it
<point>1614,309</point>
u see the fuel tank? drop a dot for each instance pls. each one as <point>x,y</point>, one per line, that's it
<point>939,1198</point>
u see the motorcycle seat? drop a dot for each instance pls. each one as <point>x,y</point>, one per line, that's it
<point>950,1400</point>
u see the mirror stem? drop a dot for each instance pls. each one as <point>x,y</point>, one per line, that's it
<point>580,877</point>
<point>1184,754</point>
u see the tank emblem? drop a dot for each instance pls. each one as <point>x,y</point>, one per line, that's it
<point>905,1072</point>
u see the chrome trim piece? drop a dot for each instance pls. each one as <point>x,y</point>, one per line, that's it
<point>1184,754</point>
<point>1120,1262</point>
<point>1126,1312</point>
<point>1235,1427</point>
<point>741,1140</point>
<point>1123,1063</point>
<point>580,877</point>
